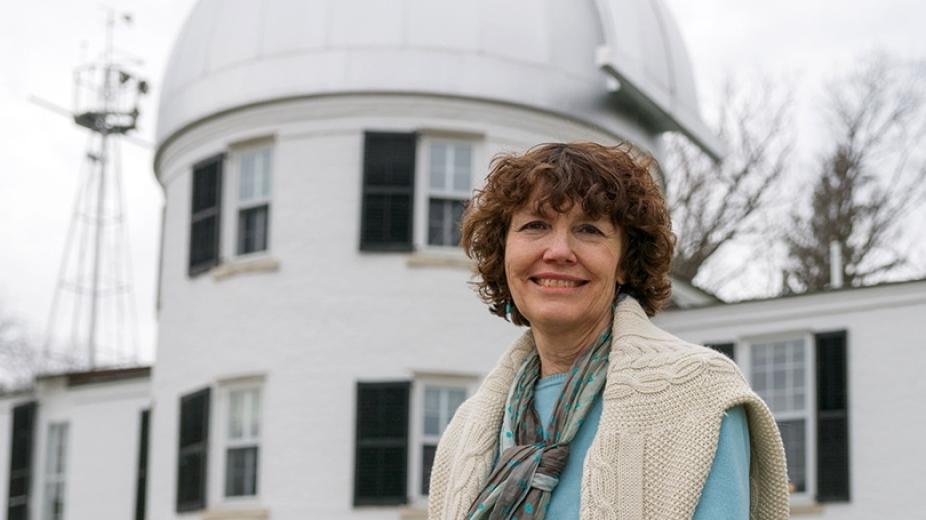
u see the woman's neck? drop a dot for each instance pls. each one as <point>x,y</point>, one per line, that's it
<point>558,348</point>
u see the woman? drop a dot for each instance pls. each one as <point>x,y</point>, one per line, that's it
<point>595,412</point>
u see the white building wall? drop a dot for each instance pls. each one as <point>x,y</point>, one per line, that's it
<point>328,315</point>
<point>101,460</point>
<point>886,364</point>
<point>7,402</point>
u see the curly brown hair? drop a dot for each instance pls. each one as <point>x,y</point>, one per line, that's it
<point>605,180</point>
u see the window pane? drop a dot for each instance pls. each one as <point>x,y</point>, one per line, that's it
<point>203,240</point>
<point>779,354</point>
<point>263,189</point>
<point>797,402</point>
<point>759,356</point>
<point>54,501</point>
<point>51,462</point>
<point>436,222</point>
<point>205,186</point>
<point>241,472</point>
<point>431,411</point>
<point>255,413</point>
<point>444,222</point>
<point>252,230</point>
<point>777,402</point>
<point>759,381</point>
<point>243,414</point>
<point>235,415</point>
<point>246,177</point>
<point>438,166</point>
<point>427,461</point>
<point>798,378</point>
<point>190,478</point>
<point>779,377</point>
<point>462,158</point>
<point>455,397</point>
<point>254,175</point>
<point>792,434</point>
<point>456,215</point>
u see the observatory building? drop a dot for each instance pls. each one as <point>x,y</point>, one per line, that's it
<point>315,321</point>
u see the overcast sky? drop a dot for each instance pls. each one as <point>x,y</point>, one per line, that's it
<point>805,41</point>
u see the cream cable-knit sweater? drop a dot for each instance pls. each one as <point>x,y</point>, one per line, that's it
<point>662,408</point>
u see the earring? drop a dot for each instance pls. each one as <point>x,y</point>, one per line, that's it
<point>508,309</point>
<point>617,294</point>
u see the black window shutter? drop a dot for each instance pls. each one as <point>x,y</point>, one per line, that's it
<point>22,438</point>
<point>832,417</point>
<point>381,457</point>
<point>193,451</point>
<point>141,482</point>
<point>388,191</point>
<point>723,348</point>
<point>206,213</point>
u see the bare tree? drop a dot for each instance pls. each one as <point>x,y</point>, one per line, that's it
<point>713,204</point>
<point>18,358</point>
<point>872,176</point>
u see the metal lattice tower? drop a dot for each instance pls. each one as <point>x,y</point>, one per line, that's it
<point>92,321</point>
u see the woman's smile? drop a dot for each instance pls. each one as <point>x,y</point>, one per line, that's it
<point>557,283</point>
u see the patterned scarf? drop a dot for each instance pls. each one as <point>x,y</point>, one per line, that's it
<point>529,467</point>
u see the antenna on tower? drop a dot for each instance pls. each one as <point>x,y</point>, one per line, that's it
<point>95,270</point>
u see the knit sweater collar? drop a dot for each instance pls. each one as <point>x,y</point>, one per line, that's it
<point>629,321</point>
<point>660,391</point>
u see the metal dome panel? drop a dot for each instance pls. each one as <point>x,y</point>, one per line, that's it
<point>235,53</point>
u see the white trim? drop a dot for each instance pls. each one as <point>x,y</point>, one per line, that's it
<point>423,191</point>
<point>416,436</point>
<point>220,417</point>
<point>818,305</point>
<point>743,355</point>
<point>231,193</point>
<point>55,471</point>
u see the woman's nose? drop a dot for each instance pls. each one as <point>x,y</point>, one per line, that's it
<point>559,248</point>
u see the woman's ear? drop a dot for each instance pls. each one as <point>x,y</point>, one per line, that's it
<point>619,276</point>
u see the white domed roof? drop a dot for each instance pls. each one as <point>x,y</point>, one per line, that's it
<point>554,55</point>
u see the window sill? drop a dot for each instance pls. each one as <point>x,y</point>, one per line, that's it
<point>413,513</point>
<point>236,514</point>
<point>259,264</point>
<point>806,508</point>
<point>452,258</point>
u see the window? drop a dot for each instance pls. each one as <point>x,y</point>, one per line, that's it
<point>832,417</point>
<point>56,456</point>
<point>254,172</point>
<point>381,456</point>
<point>803,379</point>
<point>193,451</point>
<point>141,482</point>
<point>206,209</point>
<point>449,186</point>
<point>242,442</point>
<point>726,349</point>
<point>779,372</point>
<point>388,191</point>
<point>20,478</point>
<point>439,405</point>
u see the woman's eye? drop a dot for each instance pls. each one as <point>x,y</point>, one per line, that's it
<point>534,225</point>
<point>588,228</point>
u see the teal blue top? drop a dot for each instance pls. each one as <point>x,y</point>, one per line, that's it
<point>725,495</point>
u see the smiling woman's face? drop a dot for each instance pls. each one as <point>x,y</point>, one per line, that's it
<point>562,268</point>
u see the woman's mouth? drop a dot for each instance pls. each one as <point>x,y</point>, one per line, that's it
<point>556,283</point>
